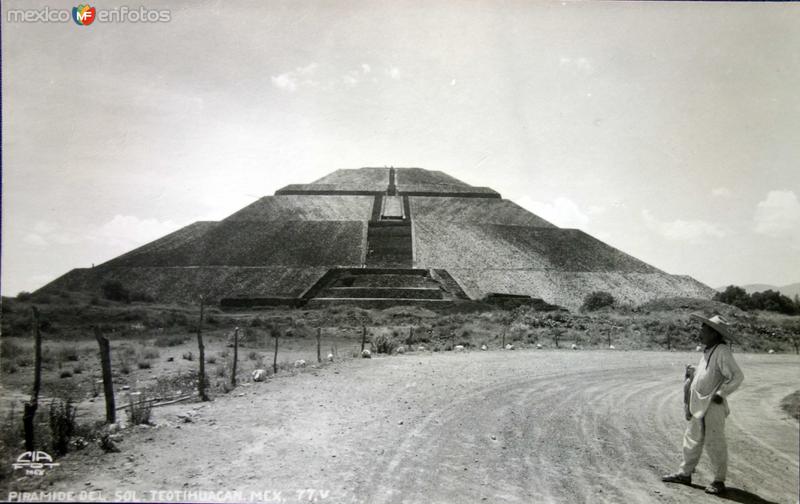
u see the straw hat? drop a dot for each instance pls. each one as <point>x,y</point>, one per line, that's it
<point>716,322</point>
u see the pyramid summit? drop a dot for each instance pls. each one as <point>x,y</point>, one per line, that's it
<point>380,235</point>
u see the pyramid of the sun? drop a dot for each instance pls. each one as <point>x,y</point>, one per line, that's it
<point>399,235</point>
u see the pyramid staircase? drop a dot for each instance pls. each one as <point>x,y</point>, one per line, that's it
<point>387,276</point>
<point>382,287</point>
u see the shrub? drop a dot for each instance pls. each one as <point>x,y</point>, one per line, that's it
<point>114,290</point>
<point>384,344</point>
<point>150,353</point>
<point>139,411</point>
<point>253,355</point>
<point>170,340</point>
<point>65,374</point>
<point>188,356</point>
<point>141,297</point>
<point>597,300</point>
<point>211,359</point>
<point>107,444</point>
<point>11,350</point>
<point>24,296</point>
<point>62,424</point>
<point>77,369</point>
<point>68,353</point>
<point>143,364</point>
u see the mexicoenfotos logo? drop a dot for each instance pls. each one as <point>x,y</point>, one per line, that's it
<point>84,15</point>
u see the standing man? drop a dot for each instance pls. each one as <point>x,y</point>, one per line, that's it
<point>717,376</point>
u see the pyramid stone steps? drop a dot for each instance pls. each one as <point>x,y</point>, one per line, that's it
<point>383,292</point>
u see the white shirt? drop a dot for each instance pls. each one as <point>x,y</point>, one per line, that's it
<point>717,372</point>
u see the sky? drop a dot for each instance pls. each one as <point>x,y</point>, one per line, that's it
<point>668,130</point>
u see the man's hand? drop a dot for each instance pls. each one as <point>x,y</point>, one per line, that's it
<point>717,399</point>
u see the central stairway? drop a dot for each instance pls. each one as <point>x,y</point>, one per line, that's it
<point>382,287</point>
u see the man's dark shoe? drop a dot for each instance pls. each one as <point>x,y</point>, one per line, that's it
<point>684,479</point>
<point>716,488</point>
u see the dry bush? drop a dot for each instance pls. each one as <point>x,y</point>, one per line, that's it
<point>139,411</point>
<point>61,417</point>
<point>150,353</point>
<point>384,344</point>
<point>68,353</point>
<point>170,340</point>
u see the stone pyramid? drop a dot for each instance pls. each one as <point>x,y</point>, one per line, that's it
<point>380,237</point>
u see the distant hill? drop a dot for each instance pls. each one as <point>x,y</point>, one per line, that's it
<point>787,290</point>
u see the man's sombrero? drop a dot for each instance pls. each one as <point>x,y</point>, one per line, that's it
<point>716,322</point>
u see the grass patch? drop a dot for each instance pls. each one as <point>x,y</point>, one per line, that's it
<point>150,353</point>
<point>170,340</point>
<point>791,405</point>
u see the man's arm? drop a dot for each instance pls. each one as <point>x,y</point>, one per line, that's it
<point>733,376</point>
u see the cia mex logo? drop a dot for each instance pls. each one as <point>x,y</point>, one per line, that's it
<point>35,462</point>
<point>84,14</point>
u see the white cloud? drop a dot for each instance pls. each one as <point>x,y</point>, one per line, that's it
<point>351,79</point>
<point>721,192</point>
<point>300,76</point>
<point>365,68</point>
<point>35,240</point>
<point>393,72</point>
<point>127,230</point>
<point>563,212</point>
<point>779,216</point>
<point>47,233</point>
<point>683,230</point>
<point>285,81</point>
<point>580,64</point>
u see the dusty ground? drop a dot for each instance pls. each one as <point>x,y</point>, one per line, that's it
<point>521,426</point>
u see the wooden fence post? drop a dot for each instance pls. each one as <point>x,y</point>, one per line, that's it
<point>363,337</point>
<point>108,384</point>
<point>31,406</point>
<point>319,341</point>
<point>275,334</point>
<point>235,355</point>
<point>201,380</point>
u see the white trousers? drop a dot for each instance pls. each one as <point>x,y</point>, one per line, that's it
<point>708,431</point>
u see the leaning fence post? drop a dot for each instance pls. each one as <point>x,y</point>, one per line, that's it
<point>319,340</point>
<point>108,384</point>
<point>201,380</point>
<point>235,355</point>
<point>31,406</point>
<point>275,334</point>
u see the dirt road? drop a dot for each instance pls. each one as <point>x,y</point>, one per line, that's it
<point>522,426</point>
